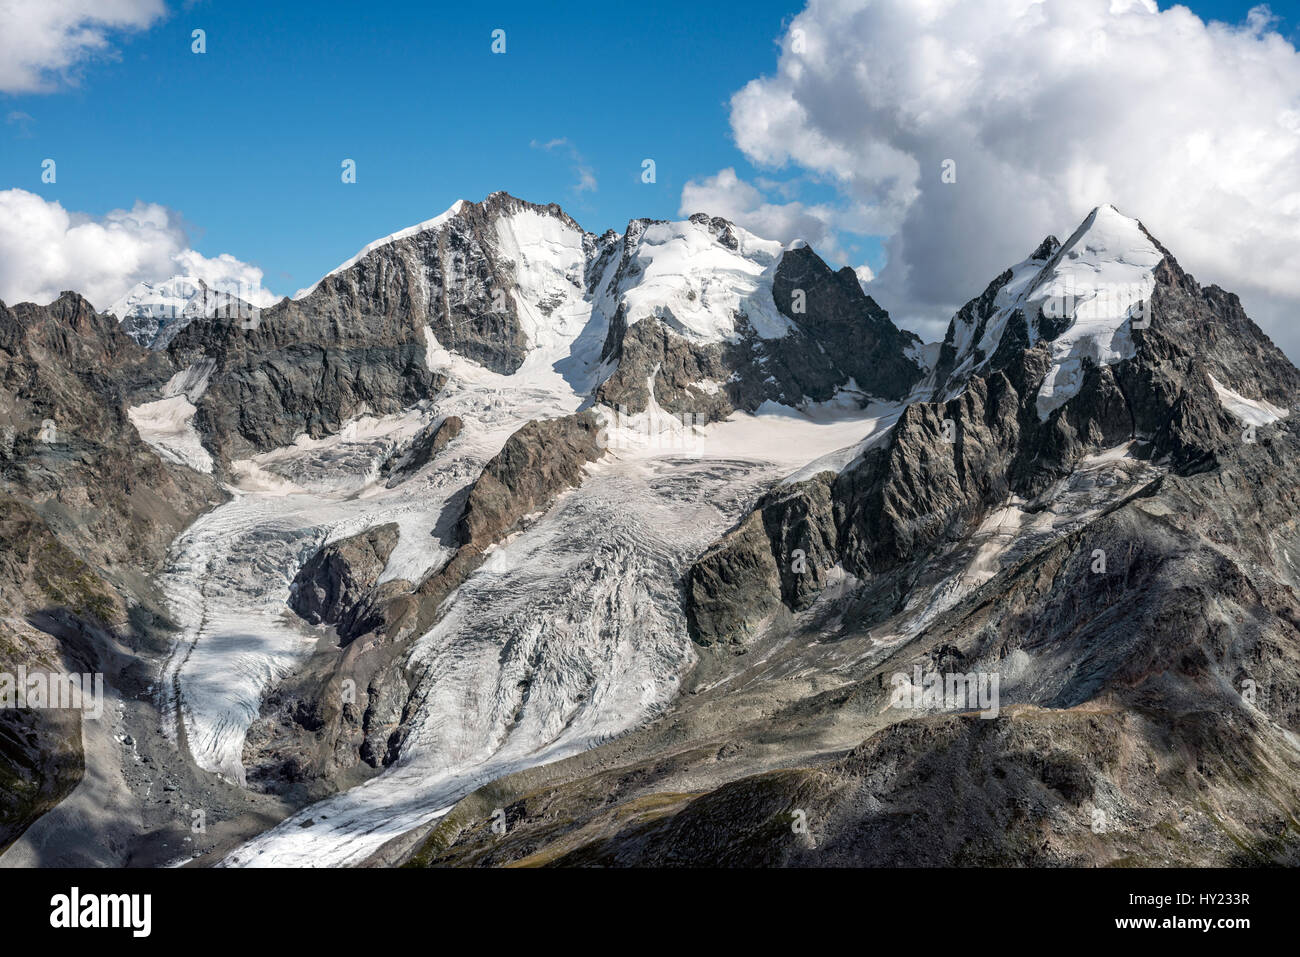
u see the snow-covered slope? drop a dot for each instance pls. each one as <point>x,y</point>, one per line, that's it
<point>696,276</point>
<point>1085,296</point>
<point>167,424</point>
<point>1097,283</point>
<point>1255,412</point>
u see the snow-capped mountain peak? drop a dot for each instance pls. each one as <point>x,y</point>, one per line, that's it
<point>1084,296</point>
<point>152,313</point>
<point>167,299</point>
<point>696,276</point>
<point>1097,285</point>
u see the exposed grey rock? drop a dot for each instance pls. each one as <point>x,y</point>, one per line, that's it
<point>918,488</point>
<point>649,355</point>
<point>308,367</point>
<point>87,511</point>
<point>538,462</point>
<point>330,585</point>
<point>734,587</point>
<point>846,335</point>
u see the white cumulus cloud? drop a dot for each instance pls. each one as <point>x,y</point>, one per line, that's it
<point>1047,108</point>
<point>41,41</point>
<point>732,198</point>
<point>45,249</point>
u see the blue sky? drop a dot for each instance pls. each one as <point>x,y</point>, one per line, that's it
<point>246,140</point>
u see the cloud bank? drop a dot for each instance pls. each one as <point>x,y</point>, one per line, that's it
<point>45,249</point>
<point>1046,109</point>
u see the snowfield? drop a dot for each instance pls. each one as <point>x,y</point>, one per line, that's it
<point>167,424</point>
<point>1255,412</point>
<point>570,633</point>
<point>695,285</point>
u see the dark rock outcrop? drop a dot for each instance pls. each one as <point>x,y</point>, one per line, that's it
<point>334,581</point>
<point>845,334</point>
<point>420,452</point>
<point>538,462</point>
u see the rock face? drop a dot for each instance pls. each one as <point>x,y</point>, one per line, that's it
<point>946,463</point>
<point>87,511</point>
<point>307,368</point>
<point>845,334</point>
<point>456,274</point>
<point>328,588</point>
<point>538,462</point>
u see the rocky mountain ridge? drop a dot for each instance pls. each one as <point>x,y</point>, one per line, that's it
<point>425,438</point>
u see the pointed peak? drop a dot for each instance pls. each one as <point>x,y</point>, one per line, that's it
<point>1107,218</point>
<point>1107,235</point>
<point>1046,249</point>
